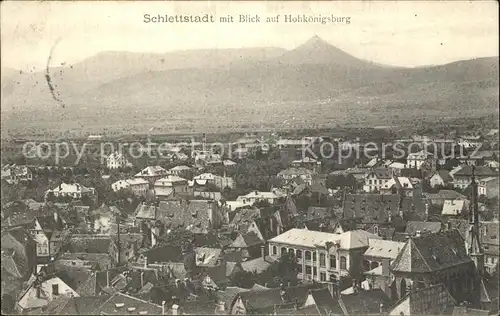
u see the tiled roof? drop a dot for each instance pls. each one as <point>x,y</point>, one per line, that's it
<point>307,238</point>
<point>431,300</point>
<point>245,216</point>
<point>102,259</point>
<point>480,171</point>
<point>261,300</point>
<point>325,303</point>
<point>347,223</point>
<point>72,188</point>
<point>135,281</point>
<point>319,212</point>
<point>49,223</point>
<point>15,243</point>
<point>167,253</point>
<point>102,276</point>
<point>190,214</point>
<point>365,302</point>
<point>446,194</point>
<point>9,264</point>
<point>82,305</point>
<point>445,175</point>
<point>377,207</point>
<point>413,226</point>
<point>75,277</point>
<point>320,224</point>
<point>11,284</point>
<point>136,181</point>
<point>383,248</point>
<point>295,172</point>
<point>432,252</point>
<point>381,173</point>
<point>257,265</point>
<point>122,304</point>
<point>198,308</point>
<point>454,207</point>
<point>206,257</point>
<point>88,244</point>
<point>246,240</point>
<point>229,293</point>
<point>151,171</point>
<point>170,180</point>
<point>466,311</point>
<point>145,211</point>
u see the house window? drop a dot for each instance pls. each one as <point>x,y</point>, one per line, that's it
<point>322,260</point>
<point>322,276</point>
<point>308,255</point>
<point>308,270</point>
<point>314,256</point>
<point>55,289</point>
<point>283,250</point>
<point>298,254</point>
<point>291,251</point>
<point>315,271</point>
<point>333,262</point>
<point>299,268</point>
<point>275,250</point>
<point>343,263</point>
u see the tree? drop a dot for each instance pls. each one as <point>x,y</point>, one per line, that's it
<point>50,197</point>
<point>340,181</point>
<point>283,271</point>
<point>177,237</point>
<point>243,279</point>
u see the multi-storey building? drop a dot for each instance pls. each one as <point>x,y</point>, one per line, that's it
<point>73,190</point>
<point>417,160</point>
<point>117,160</point>
<point>138,186</point>
<point>321,256</point>
<point>376,179</point>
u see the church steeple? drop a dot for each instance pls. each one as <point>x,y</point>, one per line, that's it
<point>474,248</point>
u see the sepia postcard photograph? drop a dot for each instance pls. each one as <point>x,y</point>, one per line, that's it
<point>327,158</point>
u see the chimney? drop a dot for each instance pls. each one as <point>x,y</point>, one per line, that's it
<point>163,307</point>
<point>107,278</point>
<point>418,233</point>
<point>385,267</point>
<point>263,252</point>
<point>145,262</point>
<point>56,217</point>
<point>390,217</point>
<point>142,279</point>
<point>381,308</point>
<point>38,291</point>
<point>175,309</point>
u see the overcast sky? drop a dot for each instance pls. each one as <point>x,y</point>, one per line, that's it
<point>405,33</point>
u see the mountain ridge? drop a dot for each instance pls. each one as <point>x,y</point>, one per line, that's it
<point>238,86</point>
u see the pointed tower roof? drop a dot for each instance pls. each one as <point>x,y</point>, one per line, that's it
<point>431,252</point>
<point>410,259</point>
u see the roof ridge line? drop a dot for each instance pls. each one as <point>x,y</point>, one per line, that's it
<point>425,261</point>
